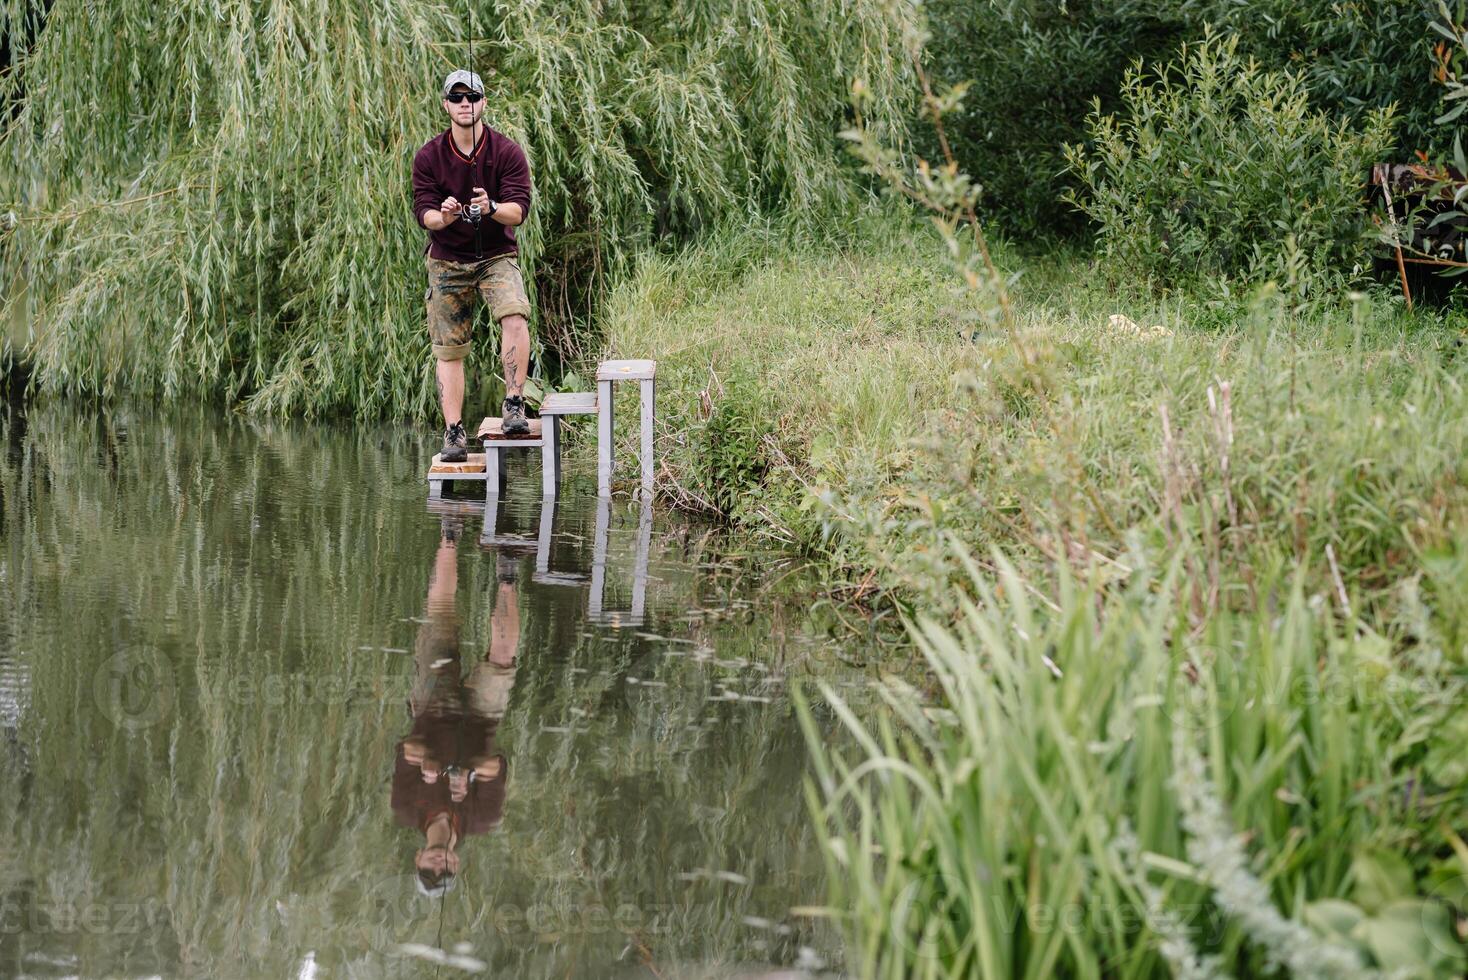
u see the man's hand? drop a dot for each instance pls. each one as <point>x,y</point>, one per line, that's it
<point>447,212</point>
<point>481,198</point>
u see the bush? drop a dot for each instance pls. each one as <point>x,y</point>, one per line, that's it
<point>1032,67</point>
<point>1218,167</point>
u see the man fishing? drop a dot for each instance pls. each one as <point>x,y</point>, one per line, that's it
<point>471,188</point>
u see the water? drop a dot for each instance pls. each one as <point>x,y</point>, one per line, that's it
<point>250,680</point>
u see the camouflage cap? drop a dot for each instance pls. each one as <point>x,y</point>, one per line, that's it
<point>468,79</point>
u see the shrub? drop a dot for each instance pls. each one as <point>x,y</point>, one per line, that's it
<point>1219,167</point>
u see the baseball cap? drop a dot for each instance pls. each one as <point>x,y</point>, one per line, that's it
<point>460,76</point>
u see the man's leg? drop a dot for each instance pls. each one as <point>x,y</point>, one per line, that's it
<point>450,300</point>
<point>514,353</point>
<point>450,377</point>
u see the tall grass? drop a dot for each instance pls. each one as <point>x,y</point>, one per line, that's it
<point>1095,789</point>
<point>213,198</point>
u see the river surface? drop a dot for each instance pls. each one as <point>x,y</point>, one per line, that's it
<point>265,710</point>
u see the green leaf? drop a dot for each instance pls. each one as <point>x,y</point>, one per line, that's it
<point>1446,763</point>
<point>1381,877</point>
<point>1415,937</point>
<point>1333,917</point>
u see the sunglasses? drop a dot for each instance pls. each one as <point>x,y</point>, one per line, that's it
<point>457,97</point>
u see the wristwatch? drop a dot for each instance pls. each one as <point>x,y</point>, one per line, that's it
<point>493,207</point>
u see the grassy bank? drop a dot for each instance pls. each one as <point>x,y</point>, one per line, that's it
<point>791,375</point>
<point>1186,571</point>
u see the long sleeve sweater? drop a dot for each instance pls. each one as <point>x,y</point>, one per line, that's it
<point>441,171</point>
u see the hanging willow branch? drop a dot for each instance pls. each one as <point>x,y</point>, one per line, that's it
<point>270,254</point>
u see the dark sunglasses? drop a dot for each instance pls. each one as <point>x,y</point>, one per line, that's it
<point>457,97</point>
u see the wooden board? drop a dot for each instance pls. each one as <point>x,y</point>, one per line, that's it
<point>569,403</point>
<point>474,464</point>
<point>493,428</point>
<point>626,370</point>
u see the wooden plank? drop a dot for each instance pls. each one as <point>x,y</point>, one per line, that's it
<point>569,403</point>
<point>474,464</point>
<point>626,370</point>
<point>493,428</point>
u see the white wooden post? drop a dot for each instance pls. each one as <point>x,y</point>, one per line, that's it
<point>550,455</point>
<point>604,438</point>
<point>647,396</point>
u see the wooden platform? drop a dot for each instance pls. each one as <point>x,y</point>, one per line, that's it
<point>493,428</point>
<point>465,470</point>
<point>569,403</point>
<point>626,370</point>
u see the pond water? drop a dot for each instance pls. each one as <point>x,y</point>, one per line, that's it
<point>258,695</point>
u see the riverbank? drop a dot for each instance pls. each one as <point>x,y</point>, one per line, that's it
<point>840,400</point>
<point>1187,573</point>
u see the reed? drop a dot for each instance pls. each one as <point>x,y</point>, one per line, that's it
<point>1092,789</point>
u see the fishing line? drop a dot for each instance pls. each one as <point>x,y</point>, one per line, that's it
<point>474,216</point>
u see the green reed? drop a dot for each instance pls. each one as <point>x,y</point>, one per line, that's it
<point>1093,788</point>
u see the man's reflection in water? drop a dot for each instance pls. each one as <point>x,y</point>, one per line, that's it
<point>448,781</point>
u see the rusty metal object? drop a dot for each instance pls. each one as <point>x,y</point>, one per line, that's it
<point>1428,203</point>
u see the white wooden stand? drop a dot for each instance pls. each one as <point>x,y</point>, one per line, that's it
<point>545,435</point>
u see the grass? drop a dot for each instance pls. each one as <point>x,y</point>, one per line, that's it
<point>1185,573</point>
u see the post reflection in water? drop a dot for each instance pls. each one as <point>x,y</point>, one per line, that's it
<point>448,779</point>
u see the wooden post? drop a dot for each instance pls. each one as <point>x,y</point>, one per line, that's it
<point>604,438</point>
<point>494,470</point>
<point>647,396</point>
<point>550,455</point>
<point>435,489</point>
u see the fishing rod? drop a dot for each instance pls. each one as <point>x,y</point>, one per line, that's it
<point>473,211</point>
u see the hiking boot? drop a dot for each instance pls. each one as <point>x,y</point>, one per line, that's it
<point>455,444</point>
<point>449,529</point>
<point>515,422</point>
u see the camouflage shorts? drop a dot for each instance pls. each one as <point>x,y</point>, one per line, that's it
<point>452,287</point>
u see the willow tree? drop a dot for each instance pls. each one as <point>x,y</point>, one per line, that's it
<point>213,196</point>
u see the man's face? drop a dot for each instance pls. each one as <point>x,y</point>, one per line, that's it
<point>437,859</point>
<point>463,112</point>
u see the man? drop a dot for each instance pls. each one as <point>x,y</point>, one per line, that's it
<point>471,164</point>
<point>448,778</point>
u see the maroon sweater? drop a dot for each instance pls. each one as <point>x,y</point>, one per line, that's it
<point>441,171</point>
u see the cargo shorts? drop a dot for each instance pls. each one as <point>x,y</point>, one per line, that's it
<point>452,290</point>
